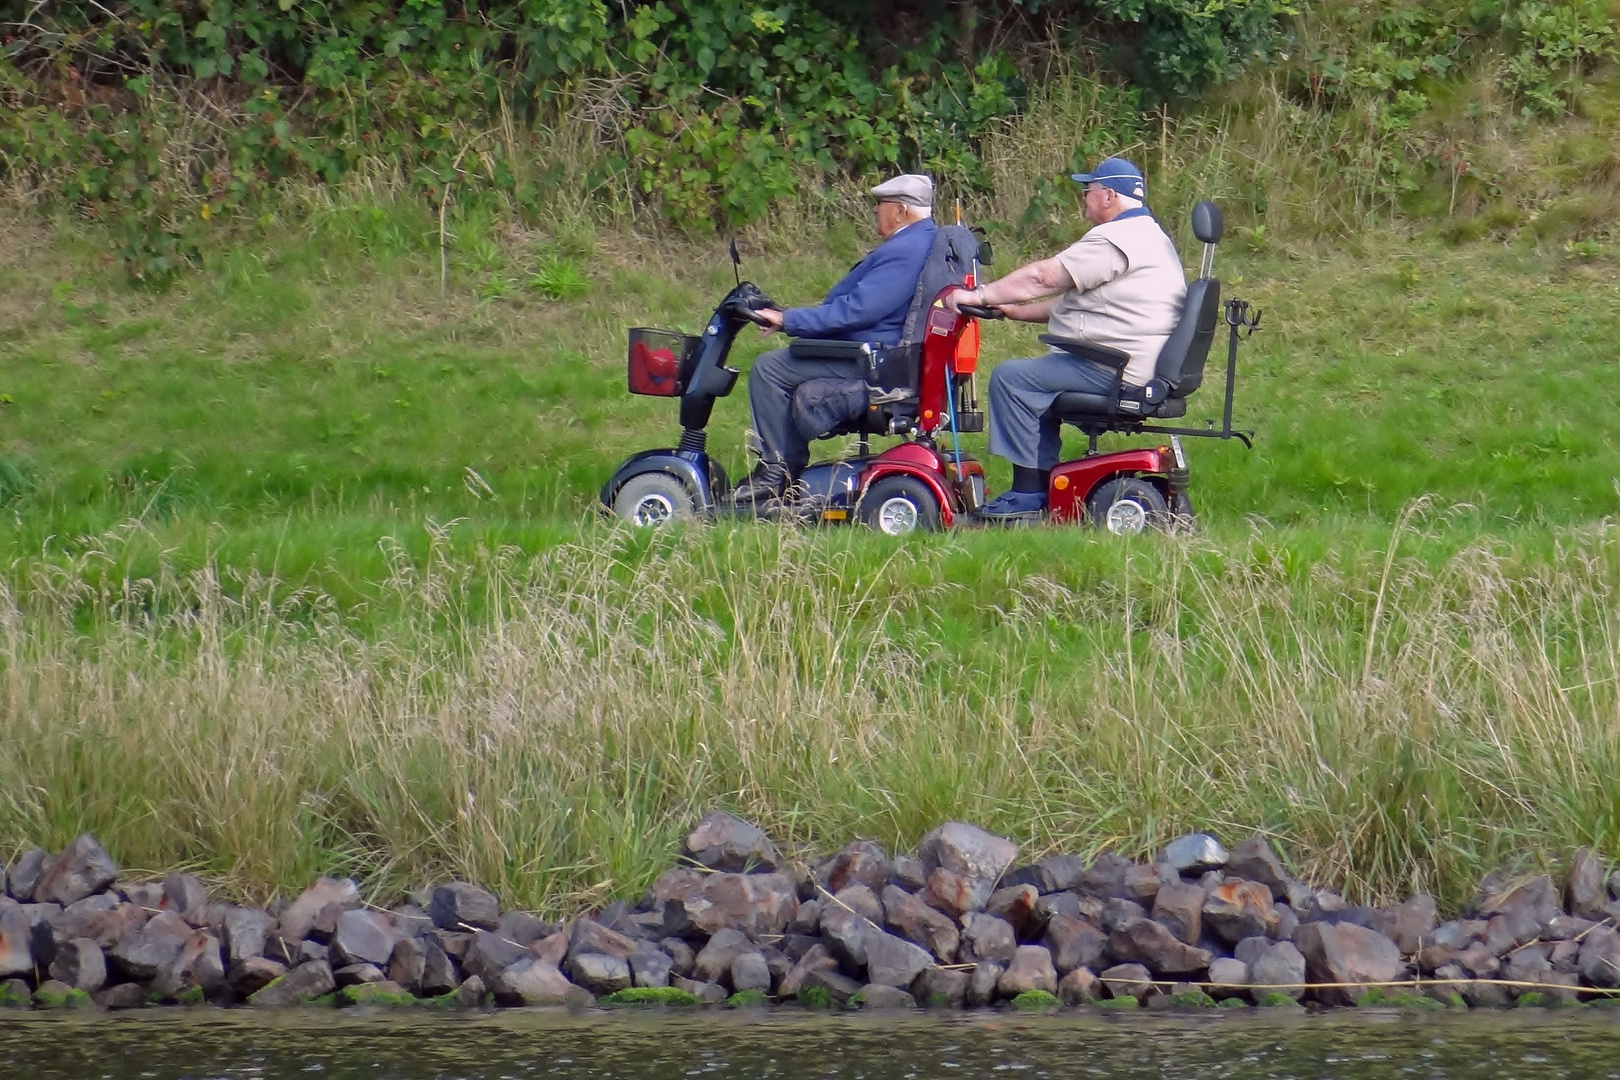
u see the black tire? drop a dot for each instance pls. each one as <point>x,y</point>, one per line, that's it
<point>1183,519</point>
<point>898,506</point>
<point>653,500</point>
<point>1127,506</point>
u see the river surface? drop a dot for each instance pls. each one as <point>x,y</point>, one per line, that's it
<point>202,1045</point>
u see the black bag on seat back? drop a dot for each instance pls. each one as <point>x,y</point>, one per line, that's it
<point>822,405</point>
<point>949,262</point>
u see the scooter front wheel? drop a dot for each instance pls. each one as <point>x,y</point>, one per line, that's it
<point>653,500</point>
<point>898,505</point>
<point>1128,506</point>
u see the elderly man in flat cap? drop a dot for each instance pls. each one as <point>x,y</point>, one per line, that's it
<point>1119,285</point>
<point>869,304</point>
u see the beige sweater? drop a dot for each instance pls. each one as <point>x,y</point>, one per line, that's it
<point>1128,290</point>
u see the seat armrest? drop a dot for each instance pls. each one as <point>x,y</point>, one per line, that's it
<point>1085,350</point>
<point>817,349</point>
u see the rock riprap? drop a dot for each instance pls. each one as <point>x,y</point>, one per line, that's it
<point>960,923</point>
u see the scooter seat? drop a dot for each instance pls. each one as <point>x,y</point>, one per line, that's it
<point>1075,406</point>
<point>820,349</point>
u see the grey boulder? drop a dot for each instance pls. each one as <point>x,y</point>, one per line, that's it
<point>460,905</point>
<point>78,870</point>
<point>722,842</point>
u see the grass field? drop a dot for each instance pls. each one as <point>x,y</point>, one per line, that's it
<point>304,576</point>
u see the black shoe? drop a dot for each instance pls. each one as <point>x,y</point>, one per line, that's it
<point>761,489</point>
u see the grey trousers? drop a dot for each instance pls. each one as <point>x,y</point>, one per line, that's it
<point>1021,396</point>
<point>771,382</point>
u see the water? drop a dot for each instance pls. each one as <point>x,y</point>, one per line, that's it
<point>784,1046</point>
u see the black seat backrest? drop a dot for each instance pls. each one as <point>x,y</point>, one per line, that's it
<point>1181,361</point>
<point>949,262</point>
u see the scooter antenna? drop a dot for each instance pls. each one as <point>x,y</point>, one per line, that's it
<point>959,209</point>
<point>736,262</point>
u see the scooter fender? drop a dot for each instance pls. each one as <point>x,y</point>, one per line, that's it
<point>704,477</point>
<point>919,462</point>
<point>1072,482</point>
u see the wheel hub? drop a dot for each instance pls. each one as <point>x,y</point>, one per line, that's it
<point>897,516</point>
<point>653,510</point>
<point>1126,518</point>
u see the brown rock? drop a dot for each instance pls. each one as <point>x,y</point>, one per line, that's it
<point>251,974</point>
<point>1142,884</point>
<point>488,954</point>
<point>589,936</point>
<point>1235,910</point>
<point>1148,942</point>
<point>552,948</point>
<point>756,904</point>
<point>650,967</point>
<point>120,997</point>
<point>246,931</point>
<point>940,988</point>
<point>1179,908</point>
<point>1346,953</point>
<point>982,983</point>
<point>1599,962</point>
<point>713,961</point>
<point>16,940</point>
<point>201,963</point>
<point>987,938</point>
<point>950,892</point>
<point>844,934</point>
<point>1128,980</point>
<point>816,959</point>
<point>306,981</point>
<point>1409,923</point>
<point>407,963</point>
<point>1031,969</point>
<point>722,842</point>
<point>893,961</point>
<point>100,918</point>
<point>80,964</point>
<point>1017,906</point>
<point>861,900</point>
<point>976,857</point>
<point>461,905</point>
<point>1104,879</point>
<point>1055,873</point>
<point>861,862</point>
<point>303,913</point>
<point>1584,893</point>
<point>184,895</point>
<point>707,993</point>
<point>599,973</point>
<point>1079,987</point>
<point>839,987</point>
<point>146,951</point>
<point>915,921</point>
<point>24,875</point>
<point>1075,943</point>
<point>676,883</point>
<point>1277,968</point>
<point>1255,861</point>
<point>1228,977</point>
<point>531,981</point>
<point>439,974</point>
<point>364,937</point>
<point>78,870</point>
<point>1517,911</point>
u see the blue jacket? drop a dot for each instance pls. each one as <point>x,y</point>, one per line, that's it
<point>871,301</point>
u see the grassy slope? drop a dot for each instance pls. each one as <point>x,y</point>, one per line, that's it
<point>313,394</point>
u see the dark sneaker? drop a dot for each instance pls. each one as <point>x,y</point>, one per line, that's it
<point>1014,507</point>
<point>760,490</point>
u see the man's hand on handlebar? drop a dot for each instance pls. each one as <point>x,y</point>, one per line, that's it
<point>769,320</point>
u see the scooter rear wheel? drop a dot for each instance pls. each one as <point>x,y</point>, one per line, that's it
<point>898,505</point>
<point>653,500</point>
<point>1128,506</point>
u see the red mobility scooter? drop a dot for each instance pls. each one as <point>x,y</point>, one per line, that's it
<point>1129,491</point>
<point>921,390</point>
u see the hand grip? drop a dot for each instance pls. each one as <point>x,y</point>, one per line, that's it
<point>978,311</point>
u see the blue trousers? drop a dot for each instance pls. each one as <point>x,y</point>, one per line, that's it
<point>1021,396</point>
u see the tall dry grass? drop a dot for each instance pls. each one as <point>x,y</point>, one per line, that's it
<point>548,724</point>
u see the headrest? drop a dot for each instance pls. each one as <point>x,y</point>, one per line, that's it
<point>1207,223</point>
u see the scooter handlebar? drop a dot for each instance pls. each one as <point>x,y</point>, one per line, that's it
<point>979,311</point>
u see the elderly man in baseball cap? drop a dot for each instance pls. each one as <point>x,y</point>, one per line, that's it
<point>868,304</point>
<point>1120,285</point>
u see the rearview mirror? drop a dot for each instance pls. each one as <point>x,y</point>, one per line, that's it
<point>736,262</point>
<point>987,254</point>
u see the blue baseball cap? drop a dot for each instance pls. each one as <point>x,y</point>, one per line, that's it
<point>1118,174</point>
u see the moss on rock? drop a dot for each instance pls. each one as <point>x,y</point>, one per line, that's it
<point>816,997</point>
<point>1126,1002</point>
<point>1386,998</point>
<point>1036,1001</point>
<point>375,994</point>
<point>1191,999</point>
<point>1276,999</point>
<point>54,999</point>
<point>749,999</point>
<point>651,995</point>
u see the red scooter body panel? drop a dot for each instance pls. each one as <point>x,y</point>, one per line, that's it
<point>917,460</point>
<point>1072,481</point>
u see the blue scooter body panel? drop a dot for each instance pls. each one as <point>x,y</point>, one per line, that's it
<point>703,476</point>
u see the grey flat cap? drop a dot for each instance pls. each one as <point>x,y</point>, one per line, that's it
<point>913,189</point>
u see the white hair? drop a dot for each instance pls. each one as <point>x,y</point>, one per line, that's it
<point>1126,201</point>
<point>916,213</point>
